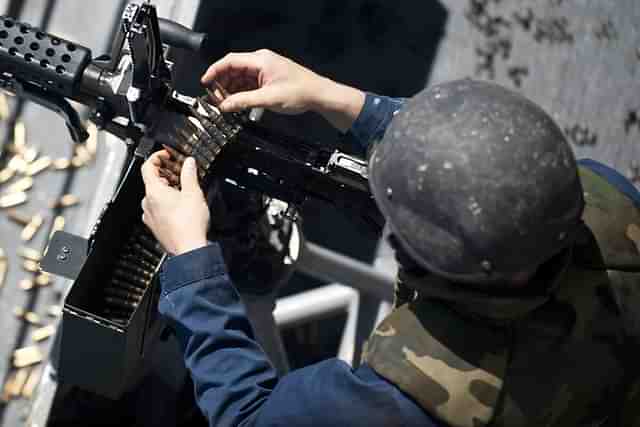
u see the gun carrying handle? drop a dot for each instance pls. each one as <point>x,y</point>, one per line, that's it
<point>177,35</point>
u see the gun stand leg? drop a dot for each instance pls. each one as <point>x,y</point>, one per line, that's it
<point>260,313</point>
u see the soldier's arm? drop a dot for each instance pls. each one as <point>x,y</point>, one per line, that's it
<point>235,384</point>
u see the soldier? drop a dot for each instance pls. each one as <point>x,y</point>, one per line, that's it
<point>515,300</point>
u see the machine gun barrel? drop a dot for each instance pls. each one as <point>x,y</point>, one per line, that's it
<point>36,58</point>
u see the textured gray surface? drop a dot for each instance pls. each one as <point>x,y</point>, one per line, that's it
<point>589,81</point>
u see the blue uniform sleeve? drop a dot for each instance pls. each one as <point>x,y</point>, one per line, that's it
<point>614,178</point>
<point>235,384</point>
<point>373,120</point>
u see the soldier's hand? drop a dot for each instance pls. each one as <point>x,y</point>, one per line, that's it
<point>178,218</point>
<point>267,80</point>
<point>263,79</point>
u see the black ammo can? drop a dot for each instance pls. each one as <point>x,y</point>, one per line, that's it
<point>106,339</point>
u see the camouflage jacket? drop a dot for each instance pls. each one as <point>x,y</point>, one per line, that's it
<point>565,357</point>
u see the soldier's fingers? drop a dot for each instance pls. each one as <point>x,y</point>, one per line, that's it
<point>172,178</point>
<point>150,168</point>
<point>176,156</point>
<point>232,65</point>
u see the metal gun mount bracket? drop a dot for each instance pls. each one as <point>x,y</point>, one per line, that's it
<point>65,255</point>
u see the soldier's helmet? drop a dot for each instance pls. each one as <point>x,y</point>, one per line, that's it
<point>477,183</point>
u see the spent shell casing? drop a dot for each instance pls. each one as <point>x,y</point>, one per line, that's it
<point>4,107</point>
<point>28,316</point>
<point>19,137</point>
<point>30,154</point>
<point>22,184</point>
<point>17,163</point>
<point>77,162</point>
<point>29,253</point>
<point>54,311</point>
<point>92,142</point>
<point>32,382</point>
<point>26,284</point>
<point>43,333</point>
<point>4,267</point>
<point>120,302</point>
<point>6,174</point>
<point>31,266</point>
<point>58,225</point>
<point>43,279</point>
<point>27,356</point>
<point>13,199</point>
<point>15,384</point>
<point>38,166</point>
<point>61,164</point>
<point>82,153</point>
<point>18,218</point>
<point>31,228</point>
<point>65,201</point>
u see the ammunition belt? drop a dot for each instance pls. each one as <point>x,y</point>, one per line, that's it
<point>203,136</point>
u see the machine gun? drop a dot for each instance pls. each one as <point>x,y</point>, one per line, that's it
<point>111,305</point>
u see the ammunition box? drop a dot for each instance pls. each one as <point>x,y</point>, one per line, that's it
<point>103,350</point>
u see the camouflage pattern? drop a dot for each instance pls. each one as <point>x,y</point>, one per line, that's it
<point>565,356</point>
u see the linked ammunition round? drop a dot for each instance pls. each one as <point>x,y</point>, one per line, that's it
<point>136,251</point>
<point>125,265</point>
<point>136,260</point>
<point>126,284</point>
<point>129,296</point>
<point>120,302</point>
<point>208,146</point>
<point>150,243</point>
